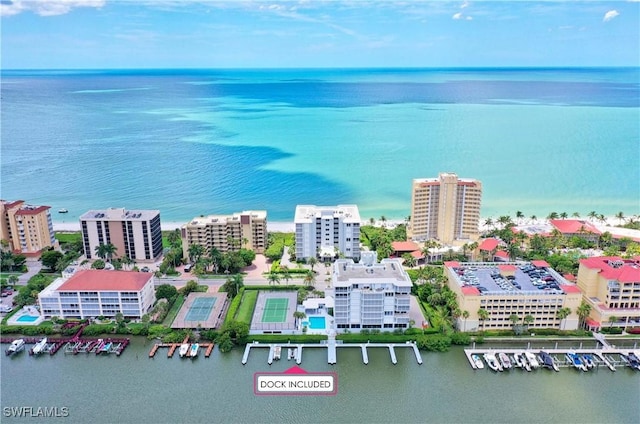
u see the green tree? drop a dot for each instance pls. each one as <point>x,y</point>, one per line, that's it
<point>273,278</point>
<point>233,285</point>
<point>562,314</point>
<point>514,318</point>
<point>174,238</point>
<point>286,275</point>
<point>312,262</point>
<point>191,286</point>
<point>528,319</point>
<point>106,251</point>
<point>483,316</point>
<point>612,320</point>
<point>195,251</point>
<point>309,278</point>
<point>620,216</point>
<point>583,312</point>
<point>465,316</point>
<point>166,291</point>
<point>299,315</point>
<point>50,258</point>
<point>409,260</point>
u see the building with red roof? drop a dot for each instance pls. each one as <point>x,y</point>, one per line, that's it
<point>92,293</point>
<point>27,228</point>
<point>576,228</point>
<point>611,286</point>
<point>503,289</point>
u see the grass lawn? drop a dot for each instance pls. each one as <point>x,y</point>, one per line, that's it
<point>247,305</point>
<point>173,311</point>
<point>67,237</point>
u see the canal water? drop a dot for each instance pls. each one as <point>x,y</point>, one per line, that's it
<point>135,389</point>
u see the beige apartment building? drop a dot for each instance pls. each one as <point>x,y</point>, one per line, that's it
<point>512,288</point>
<point>247,229</point>
<point>446,209</point>
<point>134,233</point>
<point>28,229</point>
<point>611,286</point>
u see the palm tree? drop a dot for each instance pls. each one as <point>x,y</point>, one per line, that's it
<point>612,319</point>
<point>576,215</point>
<point>126,261</point>
<point>383,219</point>
<point>620,216</point>
<point>233,285</point>
<point>472,248</point>
<point>312,261</point>
<point>273,278</point>
<point>562,314</point>
<point>534,219</point>
<point>488,222</point>
<point>409,260</point>
<point>174,238</point>
<point>299,315</point>
<point>519,216</point>
<point>592,215</point>
<point>309,278</point>
<point>106,251</point>
<point>195,251</point>
<point>286,275</point>
<point>583,312</point>
<point>553,215</point>
<point>465,315</point>
<point>514,318</point>
<point>564,215</point>
<point>372,220</point>
<point>528,319</point>
<point>483,315</point>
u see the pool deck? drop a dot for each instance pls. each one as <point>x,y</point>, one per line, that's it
<point>28,311</point>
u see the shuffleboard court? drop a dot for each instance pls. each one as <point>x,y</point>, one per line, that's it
<point>200,309</point>
<point>275,310</point>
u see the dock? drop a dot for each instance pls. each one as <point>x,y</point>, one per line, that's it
<point>174,346</point>
<point>75,345</point>
<point>332,347</point>
<point>604,356</point>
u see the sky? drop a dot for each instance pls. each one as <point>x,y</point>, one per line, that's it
<point>67,34</point>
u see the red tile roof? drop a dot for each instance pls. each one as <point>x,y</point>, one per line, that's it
<point>451,264</point>
<point>9,205</point>
<point>573,226</point>
<point>570,288</point>
<point>33,211</point>
<point>507,267</point>
<point>489,244</point>
<point>404,246</point>
<point>569,277</point>
<point>540,264</point>
<point>101,280</point>
<point>417,254</point>
<point>502,254</point>
<point>629,272</point>
<point>470,291</point>
<point>592,323</point>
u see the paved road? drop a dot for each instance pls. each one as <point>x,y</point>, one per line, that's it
<point>33,267</point>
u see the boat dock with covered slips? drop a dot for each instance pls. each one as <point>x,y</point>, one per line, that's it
<point>295,350</point>
<point>609,357</point>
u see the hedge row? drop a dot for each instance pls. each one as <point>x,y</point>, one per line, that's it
<point>233,307</point>
<point>285,338</point>
<point>275,288</point>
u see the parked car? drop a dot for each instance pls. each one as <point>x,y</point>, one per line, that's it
<point>145,269</point>
<point>187,267</point>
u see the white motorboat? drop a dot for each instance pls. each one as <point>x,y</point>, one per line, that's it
<point>277,351</point>
<point>576,361</point>
<point>39,347</point>
<point>477,362</point>
<point>16,346</point>
<point>588,361</point>
<point>532,360</point>
<point>193,352</point>
<point>548,362</point>
<point>492,361</point>
<point>184,349</point>
<point>504,360</point>
<point>290,354</point>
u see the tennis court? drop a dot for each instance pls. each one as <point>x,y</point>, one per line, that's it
<point>275,310</point>
<point>200,309</point>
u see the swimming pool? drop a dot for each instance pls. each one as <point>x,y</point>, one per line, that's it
<point>316,323</point>
<point>26,318</point>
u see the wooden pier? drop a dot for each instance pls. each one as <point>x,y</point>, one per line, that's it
<point>331,350</point>
<point>173,346</point>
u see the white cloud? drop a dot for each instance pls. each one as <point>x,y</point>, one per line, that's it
<point>465,4</point>
<point>457,15</point>
<point>460,16</point>
<point>45,8</point>
<point>610,15</point>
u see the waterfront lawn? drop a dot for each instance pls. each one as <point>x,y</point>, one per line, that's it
<point>173,311</point>
<point>247,306</point>
<point>69,237</point>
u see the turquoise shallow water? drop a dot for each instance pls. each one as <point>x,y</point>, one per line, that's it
<point>218,141</point>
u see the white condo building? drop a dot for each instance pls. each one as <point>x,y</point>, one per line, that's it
<point>91,293</point>
<point>327,231</point>
<point>134,233</point>
<point>370,294</point>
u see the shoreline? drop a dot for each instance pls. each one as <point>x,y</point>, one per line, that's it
<point>289,226</point>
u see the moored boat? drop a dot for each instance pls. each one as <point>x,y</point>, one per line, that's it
<point>492,361</point>
<point>532,360</point>
<point>105,348</point>
<point>575,360</point>
<point>477,362</point>
<point>277,351</point>
<point>632,360</point>
<point>184,349</point>
<point>193,352</point>
<point>63,210</point>
<point>504,360</point>
<point>15,347</point>
<point>290,354</point>
<point>39,347</point>
<point>547,361</point>
<point>588,361</point>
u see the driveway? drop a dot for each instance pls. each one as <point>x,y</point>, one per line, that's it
<point>33,267</point>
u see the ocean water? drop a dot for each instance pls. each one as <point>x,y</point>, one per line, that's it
<point>192,142</point>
